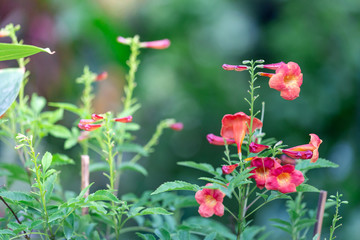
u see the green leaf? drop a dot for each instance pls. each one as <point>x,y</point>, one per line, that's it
<point>277,195</point>
<point>7,232</point>
<point>68,226</point>
<point>200,166</point>
<point>14,172</point>
<point>16,196</point>
<point>251,232</point>
<point>305,165</point>
<point>146,236</point>
<point>99,166</point>
<point>306,188</point>
<point>46,161</point>
<point>183,235</point>
<point>10,82</point>
<point>10,51</point>
<point>37,103</point>
<point>163,234</point>
<point>134,167</point>
<point>210,236</point>
<point>176,185</point>
<point>154,210</point>
<point>132,147</point>
<point>59,131</point>
<point>282,222</point>
<point>49,186</point>
<point>61,159</point>
<point>131,126</point>
<point>82,193</point>
<point>67,106</point>
<point>103,195</point>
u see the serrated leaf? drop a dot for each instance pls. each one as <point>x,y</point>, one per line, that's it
<point>103,195</point>
<point>306,188</point>
<point>16,196</point>
<point>133,167</point>
<point>154,210</point>
<point>9,51</point>
<point>10,82</point>
<point>212,180</point>
<point>306,165</point>
<point>199,166</point>
<point>61,159</point>
<point>59,131</point>
<point>46,161</point>
<point>176,185</point>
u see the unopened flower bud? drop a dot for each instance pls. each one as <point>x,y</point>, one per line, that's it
<point>101,77</point>
<point>123,40</point>
<point>177,126</point>
<point>159,44</point>
<point>124,119</point>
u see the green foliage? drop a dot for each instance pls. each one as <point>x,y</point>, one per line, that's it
<point>10,51</point>
<point>176,185</point>
<point>306,165</point>
<point>337,200</point>
<point>10,82</point>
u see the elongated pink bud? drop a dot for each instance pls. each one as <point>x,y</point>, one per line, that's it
<point>124,119</point>
<point>238,68</point>
<point>216,140</point>
<point>96,117</point>
<point>227,169</point>
<point>159,44</point>
<point>272,66</point>
<point>123,40</point>
<point>299,154</point>
<point>256,148</point>
<point>86,121</point>
<point>101,77</point>
<point>177,126</point>
<point>89,127</point>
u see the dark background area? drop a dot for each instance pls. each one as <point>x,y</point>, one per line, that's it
<point>186,81</point>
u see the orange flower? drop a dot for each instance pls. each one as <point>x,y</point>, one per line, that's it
<point>285,179</point>
<point>211,202</point>
<point>236,126</point>
<point>262,169</point>
<point>287,79</point>
<point>305,150</point>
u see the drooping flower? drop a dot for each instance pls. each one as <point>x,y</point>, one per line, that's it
<point>262,169</point>
<point>236,126</point>
<point>101,77</point>
<point>287,79</point>
<point>285,179</point>
<point>256,148</point>
<point>177,126</point>
<point>89,127</point>
<point>211,202</point>
<point>304,151</point>
<point>227,169</point>
<point>124,119</point>
<point>216,140</point>
<point>238,68</point>
<point>158,44</point>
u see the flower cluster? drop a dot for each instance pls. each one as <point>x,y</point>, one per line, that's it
<point>96,122</point>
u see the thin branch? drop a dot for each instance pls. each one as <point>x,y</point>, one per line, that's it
<point>320,214</point>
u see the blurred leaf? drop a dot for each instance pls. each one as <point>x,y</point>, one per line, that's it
<point>52,116</point>
<point>207,225</point>
<point>46,161</point>
<point>210,236</point>
<point>67,106</point>
<point>183,235</point>
<point>59,131</point>
<point>16,196</point>
<point>251,232</point>
<point>15,172</point>
<point>61,159</point>
<point>163,234</point>
<point>133,167</point>
<point>305,165</point>
<point>10,82</point>
<point>68,226</point>
<point>10,51</point>
<point>200,166</point>
<point>37,103</point>
<point>132,147</point>
<point>7,232</point>
<point>155,210</point>
<point>176,185</point>
<point>146,236</point>
<point>277,195</point>
<point>49,186</point>
<point>306,188</point>
<point>103,195</point>
<point>99,166</point>
<point>131,126</point>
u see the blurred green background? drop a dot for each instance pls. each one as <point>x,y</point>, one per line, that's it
<point>187,82</point>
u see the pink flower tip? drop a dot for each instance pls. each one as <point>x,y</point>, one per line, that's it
<point>256,148</point>
<point>101,77</point>
<point>96,117</point>
<point>227,169</point>
<point>216,140</point>
<point>123,40</point>
<point>177,126</point>
<point>158,44</point>
<point>124,119</point>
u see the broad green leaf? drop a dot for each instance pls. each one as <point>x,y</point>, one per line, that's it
<point>10,82</point>
<point>82,193</point>
<point>306,188</point>
<point>210,236</point>
<point>16,227</point>
<point>200,166</point>
<point>10,51</point>
<point>132,147</point>
<point>15,172</point>
<point>212,180</point>
<point>16,196</point>
<point>305,165</point>
<point>49,186</point>
<point>176,185</point>
<point>251,232</point>
<point>134,167</point>
<point>102,195</point>
<point>52,116</point>
<point>59,131</point>
<point>277,195</point>
<point>99,166</point>
<point>208,225</point>
<point>61,159</point>
<point>46,161</point>
<point>7,232</point>
<point>68,226</point>
<point>163,234</point>
<point>155,210</point>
